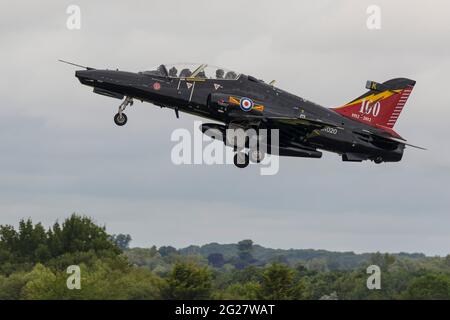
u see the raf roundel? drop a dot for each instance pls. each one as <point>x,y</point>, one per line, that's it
<point>156,86</point>
<point>246,104</point>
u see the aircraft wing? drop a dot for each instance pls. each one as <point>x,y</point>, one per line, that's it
<point>231,106</point>
<point>312,124</point>
<point>316,123</point>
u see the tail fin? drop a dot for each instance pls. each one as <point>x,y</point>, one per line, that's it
<point>381,106</point>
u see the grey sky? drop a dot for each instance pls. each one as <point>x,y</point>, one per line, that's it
<point>61,152</point>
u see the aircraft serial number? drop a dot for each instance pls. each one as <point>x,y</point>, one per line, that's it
<point>330,130</point>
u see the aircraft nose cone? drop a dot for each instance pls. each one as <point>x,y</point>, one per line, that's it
<point>85,76</point>
<point>81,74</point>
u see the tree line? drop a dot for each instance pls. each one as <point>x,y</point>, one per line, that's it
<point>34,262</point>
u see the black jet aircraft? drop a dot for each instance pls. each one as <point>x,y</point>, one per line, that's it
<point>359,130</point>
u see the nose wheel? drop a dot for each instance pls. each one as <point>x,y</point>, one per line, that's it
<point>120,118</point>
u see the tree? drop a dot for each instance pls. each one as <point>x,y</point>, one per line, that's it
<point>249,274</point>
<point>277,283</point>
<point>216,260</point>
<point>384,261</point>
<point>165,251</point>
<point>245,248</point>
<point>42,284</point>
<point>28,244</point>
<point>138,284</point>
<point>32,244</point>
<point>31,237</point>
<point>188,281</point>
<point>82,234</point>
<point>447,260</point>
<point>11,287</point>
<point>429,287</point>
<point>121,240</point>
<point>240,291</point>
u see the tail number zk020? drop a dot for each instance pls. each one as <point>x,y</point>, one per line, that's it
<point>367,108</point>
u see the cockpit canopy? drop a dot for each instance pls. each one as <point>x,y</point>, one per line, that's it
<point>192,70</point>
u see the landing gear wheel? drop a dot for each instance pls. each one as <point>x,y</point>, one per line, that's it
<point>256,156</point>
<point>120,119</point>
<point>241,159</point>
<point>378,160</point>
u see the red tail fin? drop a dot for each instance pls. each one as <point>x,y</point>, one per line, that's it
<point>381,106</point>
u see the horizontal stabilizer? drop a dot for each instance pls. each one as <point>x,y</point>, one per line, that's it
<point>393,138</point>
<point>407,144</point>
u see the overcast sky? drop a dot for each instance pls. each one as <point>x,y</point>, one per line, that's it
<point>60,151</point>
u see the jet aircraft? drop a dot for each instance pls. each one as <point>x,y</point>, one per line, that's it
<point>362,129</point>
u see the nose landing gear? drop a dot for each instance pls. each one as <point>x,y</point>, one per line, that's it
<point>120,118</point>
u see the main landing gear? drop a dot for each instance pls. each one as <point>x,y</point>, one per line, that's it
<point>121,118</point>
<point>378,160</point>
<point>242,157</point>
<point>256,156</point>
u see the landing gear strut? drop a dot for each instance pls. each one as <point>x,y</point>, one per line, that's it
<point>256,155</point>
<point>121,118</point>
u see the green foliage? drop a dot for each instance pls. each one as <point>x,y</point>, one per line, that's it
<point>122,241</point>
<point>429,287</point>
<point>11,287</point>
<point>81,234</point>
<point>216,260</point>
<point>167,251</point>
<point>384,261</point>
<point>248,274</point>
<point>240,291</point>
<point>188,281</point>
<point>31,244</point>
<point>245,245</point>
<point>100,281</point>
<point>278,283</point>
<point>34,261</point>
<point>245,256</point>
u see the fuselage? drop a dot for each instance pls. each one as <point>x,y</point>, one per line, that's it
<point>347,137</point>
